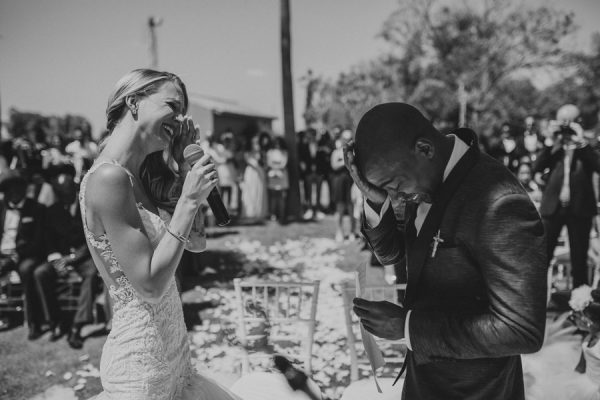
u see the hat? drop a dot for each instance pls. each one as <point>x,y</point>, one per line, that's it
<point>10,178</point>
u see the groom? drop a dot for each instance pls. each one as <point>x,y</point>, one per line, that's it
<point>474,248</point>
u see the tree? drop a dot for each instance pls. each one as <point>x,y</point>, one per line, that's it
<point>483,46</point>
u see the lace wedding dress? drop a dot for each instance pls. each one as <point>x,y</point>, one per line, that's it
<point>146,355</point>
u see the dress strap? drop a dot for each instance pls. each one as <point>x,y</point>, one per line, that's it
<point>83,187</point>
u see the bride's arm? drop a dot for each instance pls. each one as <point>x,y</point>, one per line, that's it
<point>113,201</point>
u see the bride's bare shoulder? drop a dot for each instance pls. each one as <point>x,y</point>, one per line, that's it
<point>108,186</point>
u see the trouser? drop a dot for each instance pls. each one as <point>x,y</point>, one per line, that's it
<point>277,203</point>
<point>32,304</point>
<point>578,229</point>
<point>316,180</point>
<point>46,283</point>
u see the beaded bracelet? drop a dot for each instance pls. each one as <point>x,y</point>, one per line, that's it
<point>178,236</point>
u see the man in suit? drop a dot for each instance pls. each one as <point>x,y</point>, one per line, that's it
<point>473,245</point>
<point>66,247</point>
<point>21,242</point>
<point>568,198</point>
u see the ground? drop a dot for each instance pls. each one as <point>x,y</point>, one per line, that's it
<point>295,251</point>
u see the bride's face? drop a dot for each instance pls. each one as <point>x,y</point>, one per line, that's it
<point>159,115</point>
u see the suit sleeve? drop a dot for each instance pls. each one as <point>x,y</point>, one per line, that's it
<point>591,158</point>
<point>386,241</point>
<point>508,247</point>
<point>545,159</point>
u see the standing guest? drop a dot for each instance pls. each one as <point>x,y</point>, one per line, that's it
<point>525,177</point>
<point>307,156</point>
<point>66,247</point>
<point>22,243</point>
<point>531,138</point>
<point>473,244</point>
<point>509,149</point>
<point>223,155</point>
<point>254,185</point>
<point>83,150</point>
<point>342,188</point>
<point>568,197</point>
<point>325,146</point>
<point>277,179</point>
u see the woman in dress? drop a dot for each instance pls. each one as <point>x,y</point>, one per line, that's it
<point>342,188</point>
<point>137,246</point>
<point>277,179</point>
<point>254,185</point>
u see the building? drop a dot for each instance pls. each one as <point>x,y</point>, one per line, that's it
<point>216,115</point>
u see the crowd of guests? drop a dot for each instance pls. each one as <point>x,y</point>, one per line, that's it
<point>557,161</point>
<point>42,240</point>
<point>42,244</point>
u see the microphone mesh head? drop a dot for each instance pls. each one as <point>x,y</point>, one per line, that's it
<point>192,153</point>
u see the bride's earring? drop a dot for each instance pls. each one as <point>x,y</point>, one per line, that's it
<point>134,111</point>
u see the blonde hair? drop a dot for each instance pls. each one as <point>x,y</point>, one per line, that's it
<point>141,82</point>
<point>159,177</point>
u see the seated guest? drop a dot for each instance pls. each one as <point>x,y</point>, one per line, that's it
<point>66,247</point>
<point>21,242</point>
<point>525,176</point>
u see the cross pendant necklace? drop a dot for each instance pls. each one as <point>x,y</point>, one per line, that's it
<point>437,240</point>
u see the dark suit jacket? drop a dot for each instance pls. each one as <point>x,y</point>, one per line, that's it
<point>64,232</point>
<point>480,302</point>
<point>30,239</point>
<point>583,200</point>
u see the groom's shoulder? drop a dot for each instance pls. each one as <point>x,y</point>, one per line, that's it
<point>491,180</point>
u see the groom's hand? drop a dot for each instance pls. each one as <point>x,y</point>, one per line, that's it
<point>374,194</point>
<point>381,318</point>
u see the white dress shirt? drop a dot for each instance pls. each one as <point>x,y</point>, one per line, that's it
<point>373,219</point>
<point>10,228</point>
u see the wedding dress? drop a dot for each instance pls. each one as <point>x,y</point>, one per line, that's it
<point>146,355</point>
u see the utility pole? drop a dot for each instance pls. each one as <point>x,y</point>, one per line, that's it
<point>462,101</point>
<point>294,205</point>
<point>153,23</point>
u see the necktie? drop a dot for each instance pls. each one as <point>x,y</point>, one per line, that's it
<point>410,229</point>
<point>565,190</point>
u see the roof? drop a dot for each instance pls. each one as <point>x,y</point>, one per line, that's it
<point>225,106</point>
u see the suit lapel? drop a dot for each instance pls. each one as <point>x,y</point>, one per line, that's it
<point>421,248</point>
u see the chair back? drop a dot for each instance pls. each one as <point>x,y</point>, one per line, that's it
<point>276,317</point>
<point>393,351</point>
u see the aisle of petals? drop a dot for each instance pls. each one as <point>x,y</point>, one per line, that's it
<point>292,260</point>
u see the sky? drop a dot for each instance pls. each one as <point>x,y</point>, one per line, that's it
<point>64,56</point>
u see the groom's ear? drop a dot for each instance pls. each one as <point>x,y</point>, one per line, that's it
<point>425,148</point>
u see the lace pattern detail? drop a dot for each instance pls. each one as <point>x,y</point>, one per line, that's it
<point>146,355</point>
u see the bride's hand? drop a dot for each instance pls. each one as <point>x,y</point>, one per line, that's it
<point>200,180</point>
<point>189,133</point>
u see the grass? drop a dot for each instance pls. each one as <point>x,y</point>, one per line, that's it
<point>24,364</point>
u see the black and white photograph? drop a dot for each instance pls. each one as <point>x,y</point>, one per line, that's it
<point>300,200</point>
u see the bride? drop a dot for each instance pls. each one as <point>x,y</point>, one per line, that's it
<point>137,246</point>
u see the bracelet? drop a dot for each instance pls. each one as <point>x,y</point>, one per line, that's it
<point>178,236</point>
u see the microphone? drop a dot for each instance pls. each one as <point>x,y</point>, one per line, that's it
<point>295,378</point>
<point>192,153</point>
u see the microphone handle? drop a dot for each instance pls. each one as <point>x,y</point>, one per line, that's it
<point>219,210</point>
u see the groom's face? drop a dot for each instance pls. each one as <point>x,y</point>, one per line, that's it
<point>399,175</point>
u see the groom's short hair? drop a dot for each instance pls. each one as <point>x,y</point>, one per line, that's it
<point>387,129</point>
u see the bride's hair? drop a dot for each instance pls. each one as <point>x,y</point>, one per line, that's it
<point>159,171</point>
<point>141,82</point>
